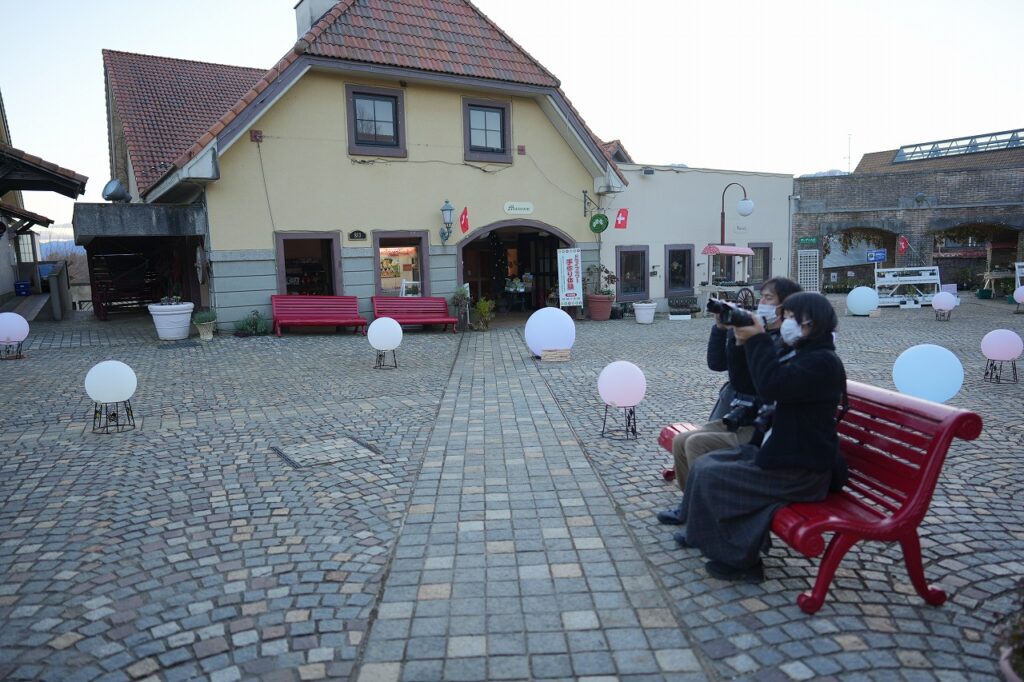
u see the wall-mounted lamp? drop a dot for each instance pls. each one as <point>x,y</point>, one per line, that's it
<point>447,211</point>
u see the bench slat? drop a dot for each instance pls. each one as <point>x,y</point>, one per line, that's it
<point>857,423</point>
<point>315,311</point>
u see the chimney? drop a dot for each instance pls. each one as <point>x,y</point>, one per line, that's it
<point>308,12</point>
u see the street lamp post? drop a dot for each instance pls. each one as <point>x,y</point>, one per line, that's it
<point>744,206</point>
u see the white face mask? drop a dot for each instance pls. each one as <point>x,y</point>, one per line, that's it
<point>768,312</point>
<point>790,331</point>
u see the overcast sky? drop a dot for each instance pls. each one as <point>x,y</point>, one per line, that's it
<point>779,86</point>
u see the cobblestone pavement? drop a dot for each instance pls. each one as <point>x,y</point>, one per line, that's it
<point>285,512</point>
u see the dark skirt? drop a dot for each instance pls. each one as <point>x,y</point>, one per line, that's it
<point>730,501</point>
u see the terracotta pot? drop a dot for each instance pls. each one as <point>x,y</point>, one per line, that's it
<point>600,306</point>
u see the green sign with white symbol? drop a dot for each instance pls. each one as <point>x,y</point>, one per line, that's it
<point>808,241</point>
<point>598,223</point>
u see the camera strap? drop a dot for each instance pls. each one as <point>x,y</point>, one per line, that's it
<point>844,403</point>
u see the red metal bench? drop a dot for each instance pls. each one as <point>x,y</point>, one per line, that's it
<point>316,311</point>
<point>414,310</point>
<point>895,446</point>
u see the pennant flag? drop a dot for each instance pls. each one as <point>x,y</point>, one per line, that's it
<point>464,220</point>
<point>903,244</point>
<point>622,219</point>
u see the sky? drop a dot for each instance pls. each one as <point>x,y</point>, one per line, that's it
<point>787,86</point>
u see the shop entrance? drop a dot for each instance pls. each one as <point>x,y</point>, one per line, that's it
<point>515,265</point>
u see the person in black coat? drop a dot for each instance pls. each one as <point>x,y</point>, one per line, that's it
<point>724,355</point>
<point>732,495</point>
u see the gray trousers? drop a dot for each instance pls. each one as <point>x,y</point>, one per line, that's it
<point>688,446</point>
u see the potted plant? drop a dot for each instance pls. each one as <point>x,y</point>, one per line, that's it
<point>1011,662</point>
<point>484,309</point>
<point>601,281</point>
<point>171,318</point>
<point>205,321</point>
<point>644,311</point>
<point>460,302</point>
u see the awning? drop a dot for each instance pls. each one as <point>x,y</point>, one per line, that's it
<point>724,250</point>
<point>137,220</point>
<point>21,221</point>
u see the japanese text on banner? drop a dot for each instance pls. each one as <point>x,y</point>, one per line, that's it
<point>570,278</point>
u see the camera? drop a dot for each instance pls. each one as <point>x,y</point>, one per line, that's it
<point>743,411</point>
<point>729,314</point>
<point>763,420</point>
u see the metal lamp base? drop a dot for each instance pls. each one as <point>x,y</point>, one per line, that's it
<point>382,362</point>
<point>942,315</point>
<point>629,414</point>
<point>994,372</point>
<point>113,417</point>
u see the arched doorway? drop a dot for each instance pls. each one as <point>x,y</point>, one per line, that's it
<point>844,263</point>
<point>512,262</point>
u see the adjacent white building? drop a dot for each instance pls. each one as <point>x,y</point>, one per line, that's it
<point>674,212</point>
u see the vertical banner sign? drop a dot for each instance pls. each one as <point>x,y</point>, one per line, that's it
<point>903,244</point>
<point>464,220</point>
<point>622,219</point>
<point>570,279</point>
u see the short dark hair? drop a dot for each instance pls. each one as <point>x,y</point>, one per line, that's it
<point>783,287</point>
<point>808,306</point>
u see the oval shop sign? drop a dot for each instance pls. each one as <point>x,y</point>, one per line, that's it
<point>518,207</point>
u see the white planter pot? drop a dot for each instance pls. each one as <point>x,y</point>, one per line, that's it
<point>644,312</point>
<point>172,321</point>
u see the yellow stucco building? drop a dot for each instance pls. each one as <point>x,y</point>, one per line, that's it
<point>327,173</point>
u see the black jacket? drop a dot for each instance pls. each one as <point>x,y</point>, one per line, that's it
<point>725,355</point>
<point>807,389</point>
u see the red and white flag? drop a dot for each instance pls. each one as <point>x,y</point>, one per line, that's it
<point>622,219</point>
<point>903,244</point>
<point>464,220</point>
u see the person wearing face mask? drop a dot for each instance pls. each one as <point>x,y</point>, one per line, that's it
<point>732,495</point>
<point>723,354</point>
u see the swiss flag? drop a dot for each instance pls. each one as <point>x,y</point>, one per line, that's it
<point>464,220</point>
<point>622,219</point>
<point>903,244</point>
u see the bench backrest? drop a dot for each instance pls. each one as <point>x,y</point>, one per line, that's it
<point>384,306</point>
<point>282,304</point>
<point>895,446</point>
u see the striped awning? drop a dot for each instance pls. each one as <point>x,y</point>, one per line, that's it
<point>725,250</point>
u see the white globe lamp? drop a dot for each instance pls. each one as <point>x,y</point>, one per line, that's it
<point>928,371</point>
<point>623,385</point>
<point>549,329</point>
<point>111,385</point>
<point>13,331</point>
<point>384,335</point>
<point>862,301</point>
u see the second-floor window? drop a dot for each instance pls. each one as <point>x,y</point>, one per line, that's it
<point>376,121</point>
<point>486,128</point>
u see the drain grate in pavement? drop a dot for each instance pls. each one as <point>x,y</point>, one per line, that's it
<point>331,451</point>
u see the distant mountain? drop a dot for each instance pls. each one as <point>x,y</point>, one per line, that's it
<point>58,246</point>
<point>824,174</point>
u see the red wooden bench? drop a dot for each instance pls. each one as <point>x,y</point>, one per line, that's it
<point>414,310</point>
<point>665,439</point>
<point>316,311</point>
<point>895,446</point>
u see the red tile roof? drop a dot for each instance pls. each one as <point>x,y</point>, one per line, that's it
<point>450,37</point>
<point>22,214</point>
<point>881,162</point>
<point>71,180</point>
<point>445,36</point>
<point>165,104</point>
<point>609,148</point>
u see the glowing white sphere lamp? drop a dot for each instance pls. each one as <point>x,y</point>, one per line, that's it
<point>862,301</point>
<point>999,346</point>
<point>549,329</point>
<point>385,334</point>
<point>745,207</point>
<point>13,331</point>
<point>943,301</point>
<point>111,384</point>
<point>622,384</point>
<point>928,371</point>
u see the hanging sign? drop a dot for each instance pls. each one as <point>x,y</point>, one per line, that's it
<point>622,219</point>
<point>598,223</point>
<point>518,207</point>
<point>570,279</point>
<point>464,220</point>
<point>356,235</point>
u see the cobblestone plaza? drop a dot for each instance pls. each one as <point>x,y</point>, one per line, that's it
<point>285,512</point>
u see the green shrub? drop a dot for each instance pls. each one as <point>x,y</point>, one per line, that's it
<point>204,316</point>
<point>484,309</point>
<point>255,324</point>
